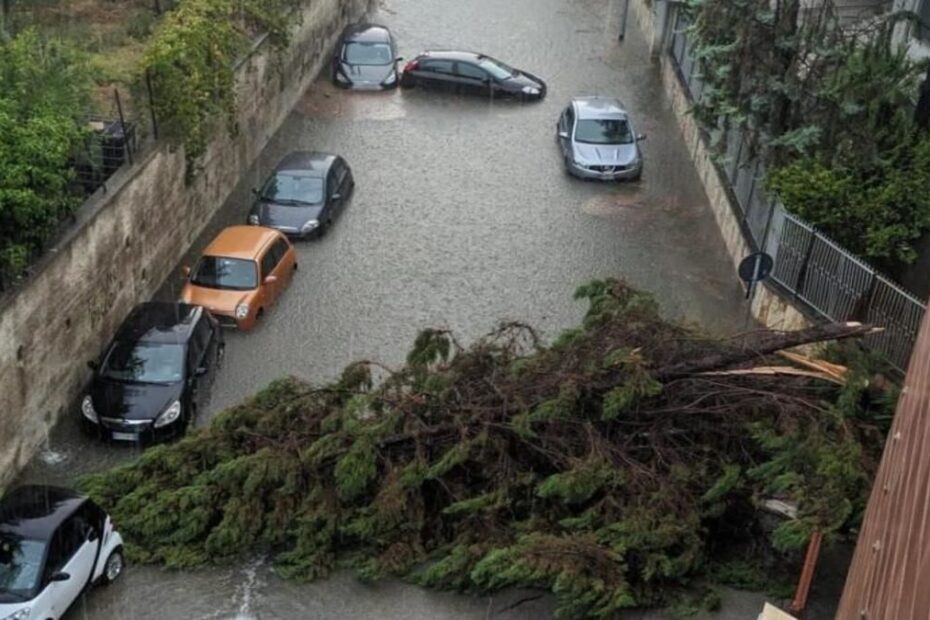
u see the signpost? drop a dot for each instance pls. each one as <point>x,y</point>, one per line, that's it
<point>623,15</point>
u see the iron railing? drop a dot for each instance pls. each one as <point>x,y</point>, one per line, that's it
<point>814,271</point>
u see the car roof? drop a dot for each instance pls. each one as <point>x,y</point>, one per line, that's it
<point>313,162</point>
<point>241,242</point>
<point>159,321</point>
<point>35,511</point>
<point>452,55</point>
<point>598,107</point>
<point>368,33</point>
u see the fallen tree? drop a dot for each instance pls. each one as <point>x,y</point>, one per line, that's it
<point>609,468</point>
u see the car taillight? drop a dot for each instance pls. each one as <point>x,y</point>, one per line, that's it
<point>413,65</point>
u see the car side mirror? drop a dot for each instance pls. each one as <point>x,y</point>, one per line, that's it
<point>186,270</point>
<point>640,137</point>
<point>399,59</point>
<point>563,135</point>
<point>254,191</point>
<point>337,196</point>
<point>59,576</point>
<point>91,534</point>
<point>93,365</point>
<point>271,279</point>
<point>202,370</point>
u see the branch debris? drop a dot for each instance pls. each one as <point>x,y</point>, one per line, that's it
<point>609,468</point>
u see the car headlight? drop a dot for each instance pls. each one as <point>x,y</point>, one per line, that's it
<point>242,311</point>
<point>390,79</point>
<point>87,408</point>
<point>22,614</point>
<point>253,219</point>
<point>342,77</point>
<point>310,225</point>
<point>530,90</point>
<point>169,415</point>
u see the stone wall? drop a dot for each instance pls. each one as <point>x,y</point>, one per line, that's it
<point>128,240</point>
<point>768,307</point>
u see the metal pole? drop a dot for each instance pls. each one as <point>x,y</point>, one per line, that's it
<point>626,9</point>
<point>148,84</point>
<point>127,146</point>
<point>807,573</point>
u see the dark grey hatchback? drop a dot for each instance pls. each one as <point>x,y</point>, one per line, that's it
<point>471,73</point>
<point>304,194</point>
<point>366,58</point>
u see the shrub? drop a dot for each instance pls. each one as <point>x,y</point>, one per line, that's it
<point>44,88</point>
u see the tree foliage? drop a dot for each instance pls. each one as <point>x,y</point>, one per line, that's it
<point>190,63</point>
<point>830,108</point>
<point>606,468</point>
<point>44,88</point>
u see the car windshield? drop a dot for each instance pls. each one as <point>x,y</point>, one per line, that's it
<point>20,567</point>
<point>360,53</point>
<point>235,274</point>
<point>293,188</point>
<point>603,131</point>
<point>499,70</point>
<point>145,362</point>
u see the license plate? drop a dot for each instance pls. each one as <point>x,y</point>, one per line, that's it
<point>125,436</point>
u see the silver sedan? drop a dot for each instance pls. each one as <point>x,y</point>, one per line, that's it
<point>598,141</point>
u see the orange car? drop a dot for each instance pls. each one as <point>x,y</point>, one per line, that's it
<point>241,274</point>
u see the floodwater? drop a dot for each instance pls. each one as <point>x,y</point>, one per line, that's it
<point>462,217</point>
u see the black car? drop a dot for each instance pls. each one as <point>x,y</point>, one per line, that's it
<point>304,194</point>
<point>151,380</point>
<point>366,58</point>
<point>471,73</point>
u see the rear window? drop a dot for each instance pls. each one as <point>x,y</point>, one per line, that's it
<point>357,53</point>
<point>237,274</point>
<point>603,131</point>
<point>293,188</point>
<point>20,567</point>
<point>144,362</point>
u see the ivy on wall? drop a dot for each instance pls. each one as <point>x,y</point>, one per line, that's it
<point>190,64</point>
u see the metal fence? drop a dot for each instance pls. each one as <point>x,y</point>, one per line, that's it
<point>810,267</point>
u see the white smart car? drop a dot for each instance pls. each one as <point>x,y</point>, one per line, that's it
<point>54,544</point>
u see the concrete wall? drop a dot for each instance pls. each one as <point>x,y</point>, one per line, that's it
<point>127,241</point>
<point>768,307</point>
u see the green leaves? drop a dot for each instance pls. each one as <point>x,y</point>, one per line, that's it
<point>191,64</point>
<point>44,90</point>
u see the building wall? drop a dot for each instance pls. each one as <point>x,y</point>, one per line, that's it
<point>127,241</point>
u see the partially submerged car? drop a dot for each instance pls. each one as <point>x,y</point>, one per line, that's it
<point>54,545</point>
<point>471,73</point>
<point>152,378</point>
<point>241,274</point>
<point>598,141</point>
<point>304,194</point>
<point>366,58</point>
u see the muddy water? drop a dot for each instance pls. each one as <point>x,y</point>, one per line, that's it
<point>462,217</point>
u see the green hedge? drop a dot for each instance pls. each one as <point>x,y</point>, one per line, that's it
<point>44,87</point>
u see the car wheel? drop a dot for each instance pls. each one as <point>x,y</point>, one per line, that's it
<point>113,567</point>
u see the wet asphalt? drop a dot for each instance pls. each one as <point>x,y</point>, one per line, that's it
<point>462,217</point>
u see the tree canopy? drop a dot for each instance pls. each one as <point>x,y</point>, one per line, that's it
<point>612,468</point>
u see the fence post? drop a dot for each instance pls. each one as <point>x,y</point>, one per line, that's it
<point>122,123</point>
<point>802,272</point>
<point>148,85</point>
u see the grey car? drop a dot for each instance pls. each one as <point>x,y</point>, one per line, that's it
<point>598,141</point>
<point>304,194</point>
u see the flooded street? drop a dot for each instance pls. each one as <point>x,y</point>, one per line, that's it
<point>463,216</point>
